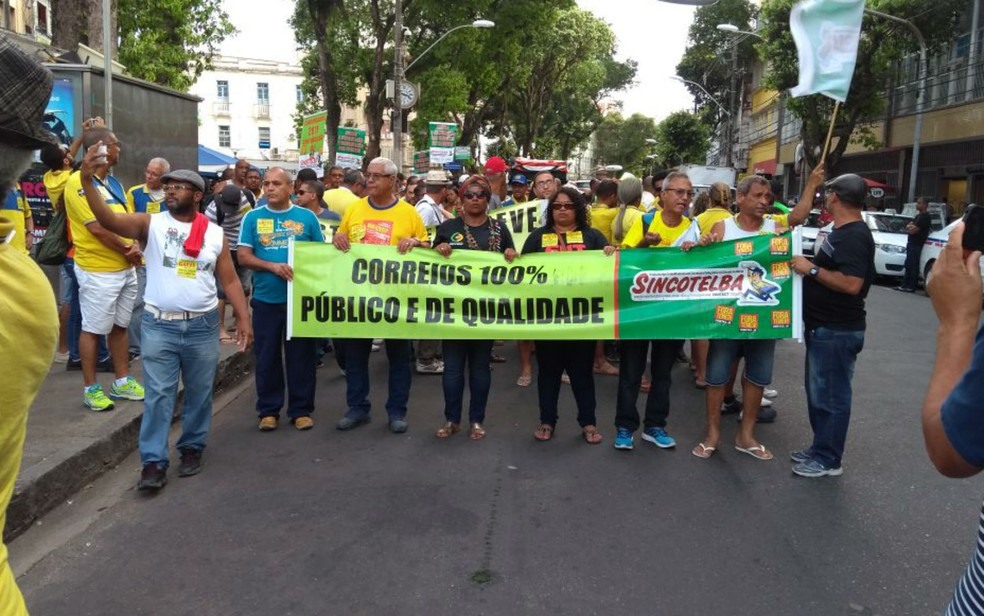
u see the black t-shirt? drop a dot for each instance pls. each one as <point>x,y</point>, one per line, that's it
<point>455,233</point>
<point>850,250</point>
<point>545,239</point>
<point>925,223</point>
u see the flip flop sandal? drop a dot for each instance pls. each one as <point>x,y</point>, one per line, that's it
<point>495,358</point>
<point>477,432</point>
<point>645,387</point>
<point>606,370</point>
<point>447,430</point>
<point>543,433</point>
<point>703,451</point>
<point>759,452</point>
<point>591,436</point>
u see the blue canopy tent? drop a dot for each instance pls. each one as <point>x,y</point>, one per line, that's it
<point>208,159</point>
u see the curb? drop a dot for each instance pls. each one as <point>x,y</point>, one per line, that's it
<point>52,487</point>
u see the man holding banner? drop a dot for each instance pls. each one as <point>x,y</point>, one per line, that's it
<point>722,358</point>
<point>379,218</point>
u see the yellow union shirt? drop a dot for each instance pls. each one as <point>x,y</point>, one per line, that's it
<point>668,236</point>
<point>91,254</point>
<point>711,217</point>
<point>365,224</point>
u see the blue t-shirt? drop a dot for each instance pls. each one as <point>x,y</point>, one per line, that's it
<point>139,200</point>
<point>268,233</point>
<point>961,417</point>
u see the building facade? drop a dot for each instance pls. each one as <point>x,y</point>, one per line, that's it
<point>29,18</point>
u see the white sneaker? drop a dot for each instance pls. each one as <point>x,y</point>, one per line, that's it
<point>61,358</point>
<point>766,403</point>
<point>431,368</point>
<point>769,393</point>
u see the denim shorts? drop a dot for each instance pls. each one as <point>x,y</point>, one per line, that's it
<point>758,354</point>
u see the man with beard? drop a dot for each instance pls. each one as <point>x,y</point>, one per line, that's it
<point>185,252</point>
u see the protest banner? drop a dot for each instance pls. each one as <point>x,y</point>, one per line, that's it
<point>421,162</point>
<point>520,219</point>
<point>313,133</point>
<point>441,139</point>
<point>309,161</point>
<point>351,147</point>
<point>743,289</point>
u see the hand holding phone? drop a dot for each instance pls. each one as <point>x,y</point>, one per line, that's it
<point>973,237</point>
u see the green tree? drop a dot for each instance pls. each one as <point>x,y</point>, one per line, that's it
<point>624,141</point>
<point>708,58</point>
<point>681,138</point>
<point>882,45</point>
<point>170,42</point>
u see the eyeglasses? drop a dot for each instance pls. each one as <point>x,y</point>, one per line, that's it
<point>680,192</point>
<point>562,205</point>
<point>544,182</point>
<point>169,187</point>
<point>475,195</point>
<point>118,144</point>
<point>378,176</point>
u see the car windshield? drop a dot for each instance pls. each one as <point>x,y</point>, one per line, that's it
<point>888,223</point>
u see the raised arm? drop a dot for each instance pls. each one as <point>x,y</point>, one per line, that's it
<point>133,226</point>
<point>802,210</point>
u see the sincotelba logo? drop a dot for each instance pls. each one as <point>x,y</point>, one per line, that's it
<point>746,284</point>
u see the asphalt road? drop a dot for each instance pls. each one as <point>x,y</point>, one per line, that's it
<point>368,522</point>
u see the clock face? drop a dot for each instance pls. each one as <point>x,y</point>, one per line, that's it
<point>408,95</point>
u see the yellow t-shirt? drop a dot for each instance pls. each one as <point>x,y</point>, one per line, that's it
<point>339,199</point>
<point>632,213</point>
<point>668,236</point>
<point>54,184</point>
<point>711,217</point>
<point>91,254</point>
<point>365,224</point>
<point>29,332</point>
<point>602,218</point>
<point>16,210</point>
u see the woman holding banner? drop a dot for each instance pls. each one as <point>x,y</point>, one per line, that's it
<point>566,230</point>
<point>471,230</point>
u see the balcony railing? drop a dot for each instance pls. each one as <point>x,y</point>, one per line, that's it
<point>947,82</point>
<point>220,108</point>
<point>261,111</point>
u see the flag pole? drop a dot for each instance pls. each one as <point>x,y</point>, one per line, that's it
<point>830,131</point>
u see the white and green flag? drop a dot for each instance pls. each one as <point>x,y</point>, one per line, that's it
<point>826,33</point>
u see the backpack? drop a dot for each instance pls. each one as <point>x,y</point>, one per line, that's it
<point>53,247</point>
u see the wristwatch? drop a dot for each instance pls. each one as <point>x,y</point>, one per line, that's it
<point>814,271</point>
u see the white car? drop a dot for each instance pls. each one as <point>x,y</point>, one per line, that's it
<point>809,232</point>
<point>888,231</point>
<point>932,248</point>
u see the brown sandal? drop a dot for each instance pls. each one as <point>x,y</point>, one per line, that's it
<point>591,435</point>
<point>477,432</point>
<point>544,432</point>
<point>447,430</point>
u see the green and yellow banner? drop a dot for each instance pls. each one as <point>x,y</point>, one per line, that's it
<point>742,289</point>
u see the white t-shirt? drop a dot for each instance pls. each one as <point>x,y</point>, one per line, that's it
<point>648,200</point>
<point>176,281</point>
<point>733,232</point>
<point>429,211</point>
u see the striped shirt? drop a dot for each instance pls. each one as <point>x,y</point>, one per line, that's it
<point>968,596</point>
<point>231,222</point>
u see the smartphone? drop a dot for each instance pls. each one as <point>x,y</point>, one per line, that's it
<point>101,151</point>
<point>973,219</point>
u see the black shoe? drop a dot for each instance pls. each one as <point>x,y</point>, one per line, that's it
<point>134,355</point>
<point>105,366</point>
<point>191,462</point>
<point>765,415</point>
<point>731,407</point>
<point>153,476</point>
<point>73,365</point>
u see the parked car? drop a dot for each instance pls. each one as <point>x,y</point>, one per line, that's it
<point>888,231</point>
<point>932,248</point>
<point>810,229</point>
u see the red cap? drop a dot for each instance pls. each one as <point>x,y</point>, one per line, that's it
<point>495,165</point>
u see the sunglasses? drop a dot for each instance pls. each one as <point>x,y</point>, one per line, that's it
<point>562,205</point>
<point>475,195</point>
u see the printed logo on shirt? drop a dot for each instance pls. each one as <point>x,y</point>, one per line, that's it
<point>748,322</point>
<point>781,319</point>
<point>724,314</point>
<point>457,238</point>
<point>379,232</point>
<point>264,225</point>
<point>153,207</point>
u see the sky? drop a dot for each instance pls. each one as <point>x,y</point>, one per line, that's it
<point>651,32</point>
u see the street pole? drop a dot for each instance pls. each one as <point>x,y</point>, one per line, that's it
<point>398,87</point>
<point>107,63</point>
<point>920,96</point>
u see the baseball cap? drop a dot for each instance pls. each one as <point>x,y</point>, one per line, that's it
<point>495,165</point>
<point>25,87</point>
<point>231,195</point>
<point>849,188</point>
<point>519,178</point>
<point>184,175</point>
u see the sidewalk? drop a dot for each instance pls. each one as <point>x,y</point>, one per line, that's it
<point>69,446</point>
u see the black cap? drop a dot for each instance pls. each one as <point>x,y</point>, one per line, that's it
<point>231,195</point>
<point>849,188</point>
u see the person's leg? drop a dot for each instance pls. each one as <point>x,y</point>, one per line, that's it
<point>427,352</point>
<point>910,279</point>
<point>525,348</point>
<point>133,326</point>
<point>199,362</point>
<point>664,354</point>
<point>340,351</point>
<point>831,356</point>
<point>299,357</point>
<point>161,362</point>
<point>698,354</point>
<point>268,338</point>
<point>400,375</point>
<point>453,379</point>
<point>479,353</point>
<point>720,361</point>
<point>631,365</point>
<point>601,363</point>
<point>118,340</point>
<point>759,356</point>
<point>97,296</point>
<point>356,376</point>
<point>579,364</point>
<point>75,312</point>
<point>550,365</point>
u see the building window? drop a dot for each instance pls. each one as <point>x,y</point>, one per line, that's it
<point>222,90</point>
<point>262,93</point>
<point>225,140</point>
<point>300,94</point>
<point>264,137</point>
<point>42,19</point>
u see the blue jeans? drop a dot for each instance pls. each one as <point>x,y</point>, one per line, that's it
<point>274,353</point>
<point>75,317</point>
<point>172,348</point>
<point>357,352</point>
<point>133,329</point>
<point>830,357</point>
<point>477,354</point>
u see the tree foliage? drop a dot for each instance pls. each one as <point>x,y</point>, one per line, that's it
<point>883,43</point>
<point>681,138</point>
<point>170,42</point>
<point>626,142</point>
<point>708,58</point>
